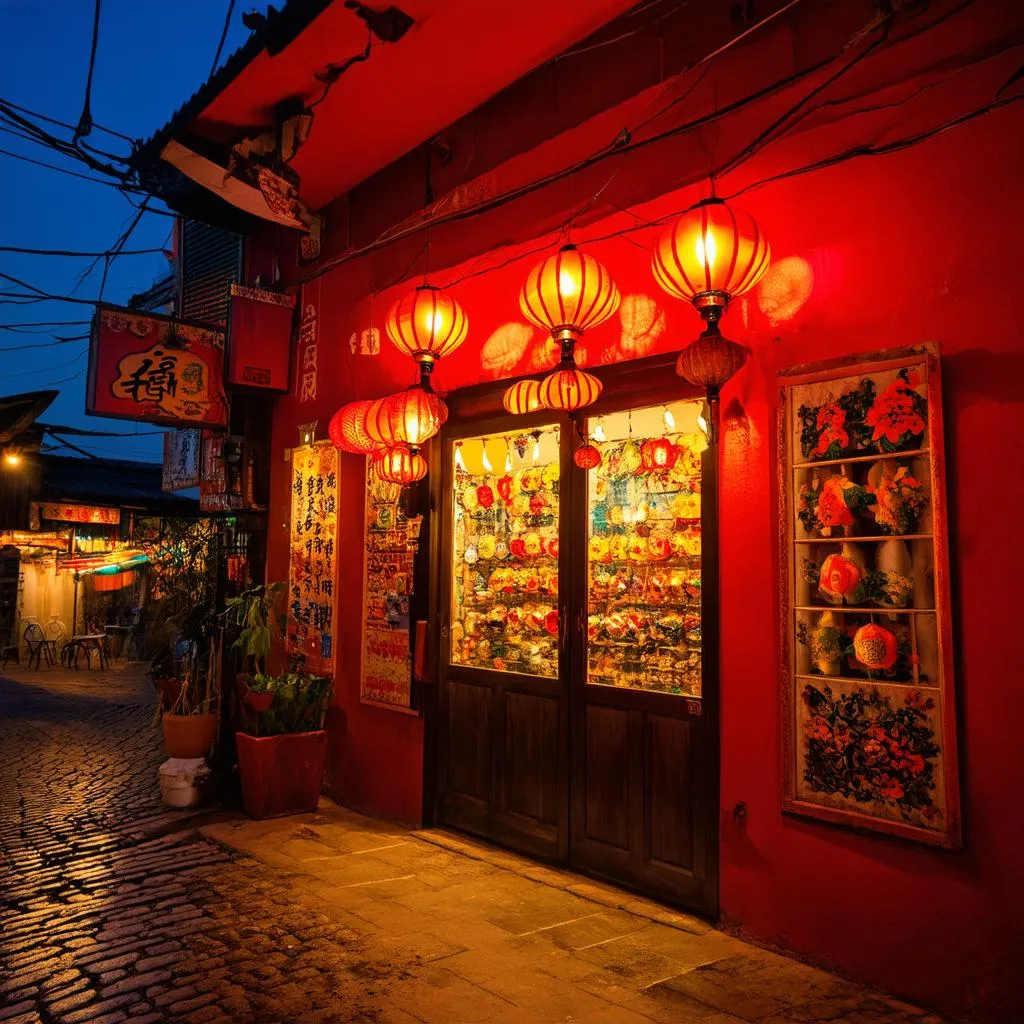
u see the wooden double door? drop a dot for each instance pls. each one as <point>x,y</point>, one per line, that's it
<point>534,752</point>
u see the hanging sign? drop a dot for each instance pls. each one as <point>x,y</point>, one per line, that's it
<point>308,351</point>
<point>80,513</point>
<point>181,460</point>
<point>312,563</point>
<point>155,369</point>
<point>59,540</point>
<point>259,338</point>
<point>392,540</point>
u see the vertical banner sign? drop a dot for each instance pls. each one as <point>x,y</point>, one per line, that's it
<point>155,369</point>
<point>214,493</point>
<point>391,543</point>
<point>312,563</point>
<point>308,334</point>
<point>181,460</point>
<point>259,338</point>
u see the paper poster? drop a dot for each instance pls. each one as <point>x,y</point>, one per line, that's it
<point>312,563</point>
<point>392,540</point>
<point>181,459</point>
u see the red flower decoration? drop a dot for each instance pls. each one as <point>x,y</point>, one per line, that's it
<point>875,647</point>
<point>551,622</point>
<point>504,486</point>
<point>485,496</point>
<point>552,546</point>
<point>517,547</point>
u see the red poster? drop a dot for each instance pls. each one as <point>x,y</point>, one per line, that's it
<point>155,369</point>
<point>259,338</point>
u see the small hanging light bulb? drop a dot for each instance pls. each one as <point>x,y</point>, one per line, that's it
<point>508,456</point>
<point>535,455</point>
<point>488,468</point>
<point>670,420</point>
<point>459,463</point>
<point>598,434</point>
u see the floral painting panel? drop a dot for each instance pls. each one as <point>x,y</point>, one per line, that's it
<point>872,749</point>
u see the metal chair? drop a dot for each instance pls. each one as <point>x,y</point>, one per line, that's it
<point>37,645</point>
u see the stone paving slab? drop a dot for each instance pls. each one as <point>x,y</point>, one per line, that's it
<point>113,909</point>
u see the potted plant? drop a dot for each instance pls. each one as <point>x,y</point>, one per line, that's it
<point>282,745</point>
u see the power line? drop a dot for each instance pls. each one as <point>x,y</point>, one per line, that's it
<point>43,344</point>
<point>20,327</point>
<point>77,252</point>
<point>65,170</point>
<point>65,124</point>
<point>85,118</point>
<point>223,36</point>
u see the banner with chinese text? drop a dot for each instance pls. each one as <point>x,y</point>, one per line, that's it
<point>312,563</point>
<point>391,543</point>
<point>155,369</point>
<point>259,338</point>
<point>181,460</point>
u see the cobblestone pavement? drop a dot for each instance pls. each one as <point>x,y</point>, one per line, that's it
<point>112,909</point>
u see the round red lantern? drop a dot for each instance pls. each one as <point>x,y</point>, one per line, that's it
<point>568,293</point>
<point>427,324</point>
<point>658,454</point>
<point>569,388</point>
<point>415,415</point>
<point>399,464</point>
<point>347,429</point>
<point>587,457</point>
<point>522,397</point>
<point>711,254</point>
<point>711,360</point>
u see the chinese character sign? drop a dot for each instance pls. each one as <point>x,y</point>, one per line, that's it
<point>308,336</point>
<point>181,460</point>
<point>391,543</point>
<point>80,513</point>
<point>312,565</point>
<point>155,369</point>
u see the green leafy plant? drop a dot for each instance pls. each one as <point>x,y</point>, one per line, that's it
<point>297,703</point>
<point>253,621</point>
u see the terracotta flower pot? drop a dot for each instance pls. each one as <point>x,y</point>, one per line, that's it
<point>281,774</point>
<point>189,735</point>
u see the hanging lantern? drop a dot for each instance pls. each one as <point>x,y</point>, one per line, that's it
<point>522,397</point>
<point>710,361</point>
<point>377,423</point>
<point>427,324</point>
<point>569,388</point>
<point>568,293</point>
<point>587,457</point>
<point>400,464</point>
<point>416,414</point>
<point>347,429</point>
<point>710,255</point>
<point>658,454</point>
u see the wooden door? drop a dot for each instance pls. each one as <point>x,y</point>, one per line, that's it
<point>503,764</point>
<point>645,769</point>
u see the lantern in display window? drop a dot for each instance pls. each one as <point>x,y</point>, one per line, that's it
<point>587,457</point>
<point>522,397</point>
<point>400,464</point>
<point>709,256</point>
<point>347,429</point>
<point>427,324</point>
<point>567,294</point>
<point>658,454</point>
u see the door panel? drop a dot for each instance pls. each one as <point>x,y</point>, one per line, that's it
<point>669,811</point>
<point>606,803</point>
<point>531,757</point>
<point>469,757</point>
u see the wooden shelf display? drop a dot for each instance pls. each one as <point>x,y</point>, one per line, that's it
<point>869,715</point>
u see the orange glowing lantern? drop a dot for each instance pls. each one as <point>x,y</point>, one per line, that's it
<point>587,457</point>
<point>415,415</point>
<point>522,397</point>
<point>568,293</point>
<point>400,464</point>
<point>710,255</point>
<point>658,454</point>
<point>427,324</point>
<point>377,423</point>
<point>347,429</point>
<point>569,388</point>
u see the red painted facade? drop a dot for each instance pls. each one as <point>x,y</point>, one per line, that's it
<point>873,253</point>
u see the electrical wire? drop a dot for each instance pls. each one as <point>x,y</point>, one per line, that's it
<point>85,118</point>
<point>47,369</point>
<point>65,124</point>
<point>21,328</point>
<point>223,37</point>
<point>77,252</point>
<point>74,174</point>
<point>43,344</point>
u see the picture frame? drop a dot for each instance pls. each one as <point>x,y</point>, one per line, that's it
<point>869,709</point>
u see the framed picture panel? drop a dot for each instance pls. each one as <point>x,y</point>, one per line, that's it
<point>869,709</point>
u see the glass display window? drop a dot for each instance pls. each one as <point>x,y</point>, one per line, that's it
<point>505,546</point>
<point>644,549</point>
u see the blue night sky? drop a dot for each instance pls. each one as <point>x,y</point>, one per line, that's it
<point>151,57</point>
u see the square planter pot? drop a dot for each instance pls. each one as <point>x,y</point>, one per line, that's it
<point>281,774</point>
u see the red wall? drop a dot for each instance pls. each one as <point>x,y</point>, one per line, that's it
<point>920,245</point>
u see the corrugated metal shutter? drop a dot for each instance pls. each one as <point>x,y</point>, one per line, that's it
<point>211,260</point>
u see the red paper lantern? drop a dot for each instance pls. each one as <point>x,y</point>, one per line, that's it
<point>427,324</point>
<point>347,429</point>
<point>568,293</point>
<point>658,454</point>
<point>711,360</point>
<point>399,464</point>
<point>522,397</point>
<point>415,415</point>
<point>587,457</point>
<point>569,388</point>
<point>711,254</point>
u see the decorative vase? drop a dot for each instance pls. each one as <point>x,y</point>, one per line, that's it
<point>825,647</point>
<point>892,560</point>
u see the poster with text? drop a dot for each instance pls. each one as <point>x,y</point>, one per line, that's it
<point>313,557</point>
<point>392,540</point>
